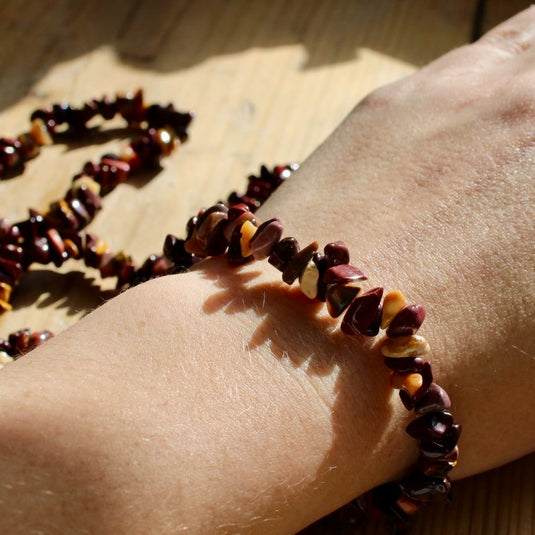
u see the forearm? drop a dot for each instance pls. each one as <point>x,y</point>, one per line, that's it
<point>237,390</point>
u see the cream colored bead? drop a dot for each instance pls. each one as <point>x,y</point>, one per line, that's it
<point>247,232</point>
<point>405,346</point>
<point>392,304</point>
<point>4,359</point>
<point>40,133</point>
<point>309,280</point>
<point>85,180</point>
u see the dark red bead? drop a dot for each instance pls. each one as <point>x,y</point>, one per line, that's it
<point>430,426</point>
<point>435,399</point>
<point>174,250</point>
<point>10,268</point>
<point>39,251</point>
<point>321,264</point>
<point>426,489</point>
<point>440,466</point>
<point>266,237</point>
<point>19,341</point>
<point>343,273</point>
<point>339,297</point>
<point>298,263</point>
<point>406,399</point>
<point>384,498</point>
<point>407,321</point>
<point>364,314</point>
<point>12,252</point>
<point>283,252</point>
<point>442,445</point>
<point>336,253</point>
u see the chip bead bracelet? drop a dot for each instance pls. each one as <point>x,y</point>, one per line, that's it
<point>329,277</point>
<point>229,228</point>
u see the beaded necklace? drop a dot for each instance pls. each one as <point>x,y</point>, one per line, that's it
<point>227,228</point>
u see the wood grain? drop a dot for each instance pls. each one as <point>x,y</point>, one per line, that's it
<point>268,81</point>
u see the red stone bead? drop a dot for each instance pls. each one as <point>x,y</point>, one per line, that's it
<point>336,253</point>
<point>343,273</point>
<point>298,263</point>
<point>339,297</point>
<point>283,252</point>
<point>407,321</point>
<point>426,489</point>
<point>435,399</point>
<point>430,426</point>
<point>364,314</point>
<point>266,237</point>
<point>442,445</point>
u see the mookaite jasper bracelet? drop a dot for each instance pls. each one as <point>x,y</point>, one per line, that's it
<point>229,229</point>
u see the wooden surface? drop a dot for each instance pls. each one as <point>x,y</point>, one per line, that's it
<point>268,80</point>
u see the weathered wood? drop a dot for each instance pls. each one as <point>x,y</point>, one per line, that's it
<point>269,80</point>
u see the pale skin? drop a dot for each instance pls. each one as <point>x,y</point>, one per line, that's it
<point>220,401</point>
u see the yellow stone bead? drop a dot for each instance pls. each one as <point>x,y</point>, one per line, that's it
<point>392,304</point>
<point>247,232</point>
<point>40,133</point>
<point>309,280</point>
<point>87,181</point>
<point>4,306</point>
<point>5,291</point>
<point>410,382</point>
<point>405,346</point>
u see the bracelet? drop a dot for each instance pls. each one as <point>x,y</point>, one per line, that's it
<point>229,229</point>
<point>329,277</point>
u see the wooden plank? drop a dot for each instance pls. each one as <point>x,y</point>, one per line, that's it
<point>496,11</point>
<point>269,80</point>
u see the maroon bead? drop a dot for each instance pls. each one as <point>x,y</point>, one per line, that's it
<point>38,338</point>
<point>384,498</point>
<point>12,252</point>
<point>435,399</point>
<point>321,264</point>
<point>59,254</point>
<point>427,379</point>
<point>174,250</point>
<point>342,274</point>
<point>426,489</point>
<point>404,364</point>
<point>440,466</point>
<point>298,263</point>
<point>438,447</point>
<point>407,321</point>
<point>91,201</point>
<point>82,215</point>
<point>39,251</point>
<point>283,252</point>
<point>336,253</point>
<point>11,269</point>
<point>19,342</point>
<point>430,426</point>
<point>339,297</point>
<point>364,314</point>
<point>266,237</point>
<point>61,217</point>
<point>406,399</point>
